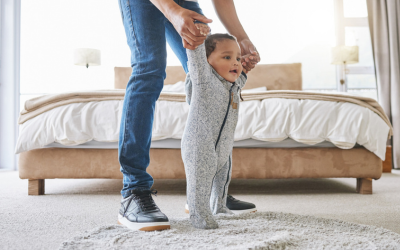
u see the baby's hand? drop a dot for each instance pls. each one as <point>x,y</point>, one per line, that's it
<point>204,29</point>
<point>248,62</point>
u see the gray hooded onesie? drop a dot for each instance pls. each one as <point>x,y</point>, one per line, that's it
<point>208,138</point>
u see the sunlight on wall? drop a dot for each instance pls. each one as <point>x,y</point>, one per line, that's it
<point>288,31</point>
<point>284,31</point>
<point>355,8</point>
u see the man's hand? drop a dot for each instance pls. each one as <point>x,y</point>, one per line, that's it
<point>203,28</point>
<point>183,21</point>
<point>250,54</point>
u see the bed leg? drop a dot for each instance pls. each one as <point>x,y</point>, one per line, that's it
<point>364,185</point>
<point>36,187</point>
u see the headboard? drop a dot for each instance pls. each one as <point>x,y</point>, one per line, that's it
<point>273,76</point>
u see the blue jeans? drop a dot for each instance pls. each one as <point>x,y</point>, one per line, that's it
<point>147,31</point>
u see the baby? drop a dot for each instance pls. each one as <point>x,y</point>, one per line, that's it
<point>213,87</point>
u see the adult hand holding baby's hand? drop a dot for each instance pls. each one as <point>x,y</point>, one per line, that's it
<point>248,62</point>
<point>183,21</point>
<point>204,29</point>
<point>250,54</point>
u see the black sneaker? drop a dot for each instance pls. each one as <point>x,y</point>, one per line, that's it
<point>236,206</point>
<point>140,212</point>
<point>239,207</point>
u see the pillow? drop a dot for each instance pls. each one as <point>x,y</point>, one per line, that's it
<point>177,87</point>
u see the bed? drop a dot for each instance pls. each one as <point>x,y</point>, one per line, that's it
<point>352,144</point>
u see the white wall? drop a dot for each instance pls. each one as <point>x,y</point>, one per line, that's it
<point>284,31</point>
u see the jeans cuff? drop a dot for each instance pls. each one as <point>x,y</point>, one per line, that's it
<point>127,193</point>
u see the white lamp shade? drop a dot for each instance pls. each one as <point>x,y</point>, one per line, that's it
<point>345,54</point>
<point>87,57</point>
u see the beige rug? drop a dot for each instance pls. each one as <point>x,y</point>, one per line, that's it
<point>262,230</point>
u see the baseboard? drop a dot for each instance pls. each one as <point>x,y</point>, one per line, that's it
<point>387,164</point>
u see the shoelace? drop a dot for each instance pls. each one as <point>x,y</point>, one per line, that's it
<point>145,200</point>
<point>231,197</point>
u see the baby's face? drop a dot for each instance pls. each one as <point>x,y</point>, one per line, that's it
<point>225,59</point>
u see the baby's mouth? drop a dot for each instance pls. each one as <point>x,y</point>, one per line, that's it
<point>233,71</point>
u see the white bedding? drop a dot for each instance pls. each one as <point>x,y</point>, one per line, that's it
<point>306,121</point>
<point>176,143</point>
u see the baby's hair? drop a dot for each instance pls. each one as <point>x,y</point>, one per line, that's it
<point>211,41</point>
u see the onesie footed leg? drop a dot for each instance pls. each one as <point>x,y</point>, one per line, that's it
<point>220,189</point>
<point>199,207</point>
<point>202,220</point>
<point>198,193</point>
<point>199,177</point>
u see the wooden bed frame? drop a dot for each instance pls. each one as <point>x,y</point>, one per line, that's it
<point>248,163</point>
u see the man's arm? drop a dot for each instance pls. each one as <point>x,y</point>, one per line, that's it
<point>183,21</point>
<point>226,12</point>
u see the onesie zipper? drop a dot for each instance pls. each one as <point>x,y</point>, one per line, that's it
<point>226,115</point>
<point>220,131</point>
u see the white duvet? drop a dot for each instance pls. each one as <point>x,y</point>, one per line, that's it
<point>305,121</point>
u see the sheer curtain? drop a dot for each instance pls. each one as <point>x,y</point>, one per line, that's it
<point>384,23</point>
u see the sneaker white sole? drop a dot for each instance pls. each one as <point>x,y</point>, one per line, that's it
<point>151,226</point>
<point>251,210</point>
<point>246,211</point>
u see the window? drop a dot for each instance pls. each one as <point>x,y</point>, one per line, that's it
<point>352,29</point>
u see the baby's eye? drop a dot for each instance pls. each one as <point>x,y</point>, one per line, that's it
<point>227,57</point>
<point>238,59</point>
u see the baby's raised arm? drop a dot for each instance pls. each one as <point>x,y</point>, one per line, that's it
<point>198,66</point>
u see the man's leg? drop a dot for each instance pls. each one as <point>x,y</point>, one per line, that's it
<point>145,32</point>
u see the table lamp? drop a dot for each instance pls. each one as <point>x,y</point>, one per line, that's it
<point>343,55</point>
<point>87,57</point>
